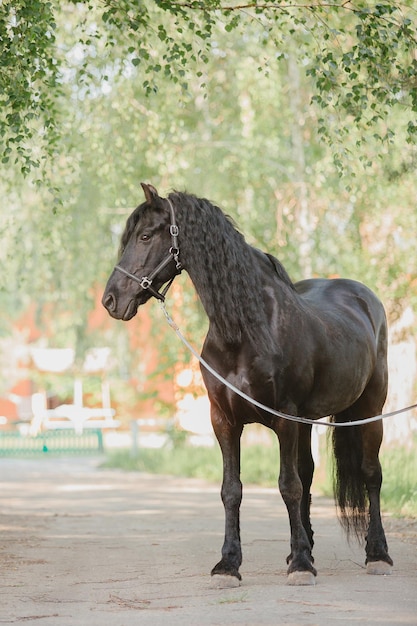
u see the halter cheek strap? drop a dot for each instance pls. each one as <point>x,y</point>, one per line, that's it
<point>174,252</point>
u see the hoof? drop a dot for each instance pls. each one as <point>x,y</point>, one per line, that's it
<point>222,581</point>
<point>379,568</point>
<point>301,579</point>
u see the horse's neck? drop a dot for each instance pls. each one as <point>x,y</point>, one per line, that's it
<point>240,314</point>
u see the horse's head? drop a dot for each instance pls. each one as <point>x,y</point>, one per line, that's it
<point>148,257</point>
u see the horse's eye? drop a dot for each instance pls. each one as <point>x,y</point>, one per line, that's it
<point>145,237</point>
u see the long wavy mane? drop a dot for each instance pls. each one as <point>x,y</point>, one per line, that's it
<point>224,268</point>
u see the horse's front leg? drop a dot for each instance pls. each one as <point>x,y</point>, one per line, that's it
<point>300,561</point>
<point>229,439</point>
<point>305,472</point>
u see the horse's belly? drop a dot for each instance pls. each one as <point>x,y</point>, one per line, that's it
<point>333,396</point>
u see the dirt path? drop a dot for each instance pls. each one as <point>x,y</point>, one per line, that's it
<point>83,546</point>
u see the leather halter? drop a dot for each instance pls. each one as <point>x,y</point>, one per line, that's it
<point>173,254</point>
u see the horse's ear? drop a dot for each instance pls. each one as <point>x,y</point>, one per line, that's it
<point>150,192</point>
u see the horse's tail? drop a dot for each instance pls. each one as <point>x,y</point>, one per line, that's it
<point>348,484</point>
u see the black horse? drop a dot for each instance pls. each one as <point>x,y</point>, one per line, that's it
<point>314,348</point>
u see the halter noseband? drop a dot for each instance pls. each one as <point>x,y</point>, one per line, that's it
<point>174,252</point>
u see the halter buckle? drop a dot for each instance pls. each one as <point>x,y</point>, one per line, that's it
<point>145,283</point>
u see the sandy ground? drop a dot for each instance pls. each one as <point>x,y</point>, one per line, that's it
<point>84,546</point>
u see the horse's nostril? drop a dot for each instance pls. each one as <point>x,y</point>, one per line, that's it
<point>109,302</point>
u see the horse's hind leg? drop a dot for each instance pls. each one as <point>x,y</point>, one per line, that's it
<point>226,572</point>
<point>359,473</point>
<point>378,560</point>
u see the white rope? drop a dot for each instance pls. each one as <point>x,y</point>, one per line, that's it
<point>292,418</point>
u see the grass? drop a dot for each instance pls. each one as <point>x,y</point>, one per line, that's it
<point>182,460</point>
<point>260,466</point>
<point>399,489</point>
<point>233,599</point>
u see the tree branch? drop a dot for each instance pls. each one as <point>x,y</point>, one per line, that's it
<point>264,6</point>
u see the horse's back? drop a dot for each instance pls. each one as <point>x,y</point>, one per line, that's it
<point>333,287</point>
<point>344,298</point>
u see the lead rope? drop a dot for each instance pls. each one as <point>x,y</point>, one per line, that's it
<point>292,418</point>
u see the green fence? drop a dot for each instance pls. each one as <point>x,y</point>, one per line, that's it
<point>51,442</point>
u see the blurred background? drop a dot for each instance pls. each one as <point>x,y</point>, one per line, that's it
<point>254,111</point>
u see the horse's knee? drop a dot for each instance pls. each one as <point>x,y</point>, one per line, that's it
<point>291,489</point>
<point>231,493</point>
